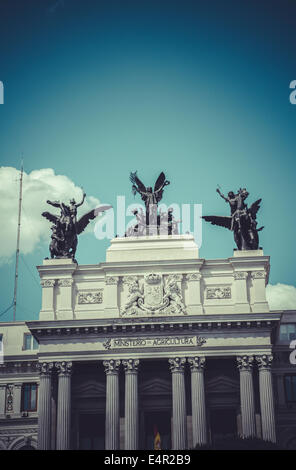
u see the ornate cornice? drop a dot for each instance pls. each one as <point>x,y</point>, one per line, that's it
<point>131,365</point>
<point>264,362</point>
<point>177,364</point>
<point>197,363</point>
<point>111,366</point>
<point>64,368</point>
<point>245,363</point>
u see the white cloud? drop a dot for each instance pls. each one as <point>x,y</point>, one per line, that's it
<point>38,186</point>
<point>281,297</point>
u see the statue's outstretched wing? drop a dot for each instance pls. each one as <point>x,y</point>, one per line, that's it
<point>255,208</point>
<point>218,220</point>
<point>83,222</point>
<point>137,183</point>
<point>160,183</point>
<point>51,217</point>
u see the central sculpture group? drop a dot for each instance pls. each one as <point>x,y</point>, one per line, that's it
<point>66,227</point>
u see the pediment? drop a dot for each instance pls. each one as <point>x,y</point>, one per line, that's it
<point>222,384</point>
<point>89,389</point>
<point>156,386</point>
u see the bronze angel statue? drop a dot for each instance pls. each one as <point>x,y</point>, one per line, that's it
<point>66,227</point>
<point>151,197</point>
<point>242,220</point>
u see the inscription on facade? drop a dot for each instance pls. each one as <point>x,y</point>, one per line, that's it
<point>162,342</point>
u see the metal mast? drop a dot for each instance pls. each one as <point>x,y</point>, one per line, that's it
<point>18,242</point>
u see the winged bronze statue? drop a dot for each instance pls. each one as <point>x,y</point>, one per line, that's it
<point>242,220</point>
<point>66,227</point>
<point>151,197</point>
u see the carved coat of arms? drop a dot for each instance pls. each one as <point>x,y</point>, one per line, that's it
<point>154,296</point>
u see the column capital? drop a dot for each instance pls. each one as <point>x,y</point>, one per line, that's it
<point>245,363</point>
<point>111,280</point>
<point>111,366</point>
<point>177,364</point>
<point>193,277</point>
<point>197,363</point>
<point>240,275</point>
<point>264,362</point>
<point>47,282</point>
<point>131,365</point>
<point>64,368</point>
<point>45,368</point>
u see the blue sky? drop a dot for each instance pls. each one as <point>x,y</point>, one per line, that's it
<point>96,89</point>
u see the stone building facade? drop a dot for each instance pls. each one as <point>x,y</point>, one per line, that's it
<point>154,340</point>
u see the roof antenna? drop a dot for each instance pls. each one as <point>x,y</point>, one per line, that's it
<point>18,240</point>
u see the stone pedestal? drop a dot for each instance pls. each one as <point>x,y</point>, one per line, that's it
<point>112,404</point>
<point>131,404</point>
<point>64,405</point>
<point>266,397</point>
<point>179,435</point>
<point>199,421</point>
<point>245,365</point>
<point>44,406</point>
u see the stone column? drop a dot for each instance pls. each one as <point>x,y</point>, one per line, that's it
<point>241,293</point>
<point>47,310</point>
<point>2,399</point>
<point>258,293</point>
<point>131,404</point>
<point>111,295</point>
<point>64,405</point>
<point>199,420</point>
<point>112,405</point>
<point>194,305</point>
<point>44,405</point>
<point>65,305</point>
<point>245,366</point>
<point>179,437</point>
<point>266,397</point>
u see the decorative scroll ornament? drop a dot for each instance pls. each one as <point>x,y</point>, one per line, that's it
<point>264,361</point>
<point>131,365</point>
<point>197,363</point>
<point>258,275</point>
<point>218,293</point>
<point>177,364</point>
<point>112,280</point>
<point>64,368</point>
<point>193,277</point>
<point>9,399</point>
<point>47,282</point>
<point>245,363</point>
<point>65,282</point>
<point>240,275</point>
<point>111,367</point>
<point>45,368</point>
<point>154,297</point>
<point>90,297</point>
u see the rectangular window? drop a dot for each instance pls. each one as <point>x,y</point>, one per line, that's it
<point>290,388</point>
<point>287,332</point>
<point>29,397</point>
<point>30,342</point>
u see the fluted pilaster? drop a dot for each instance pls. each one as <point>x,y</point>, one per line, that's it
<point>245,366</point>
<point>44,406</point>
<point>131,404</point>
<point>112,404</point>
<point>179,403</point>
<point>266,398</point>
<point>64,370</point>
<point>199,420</point>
